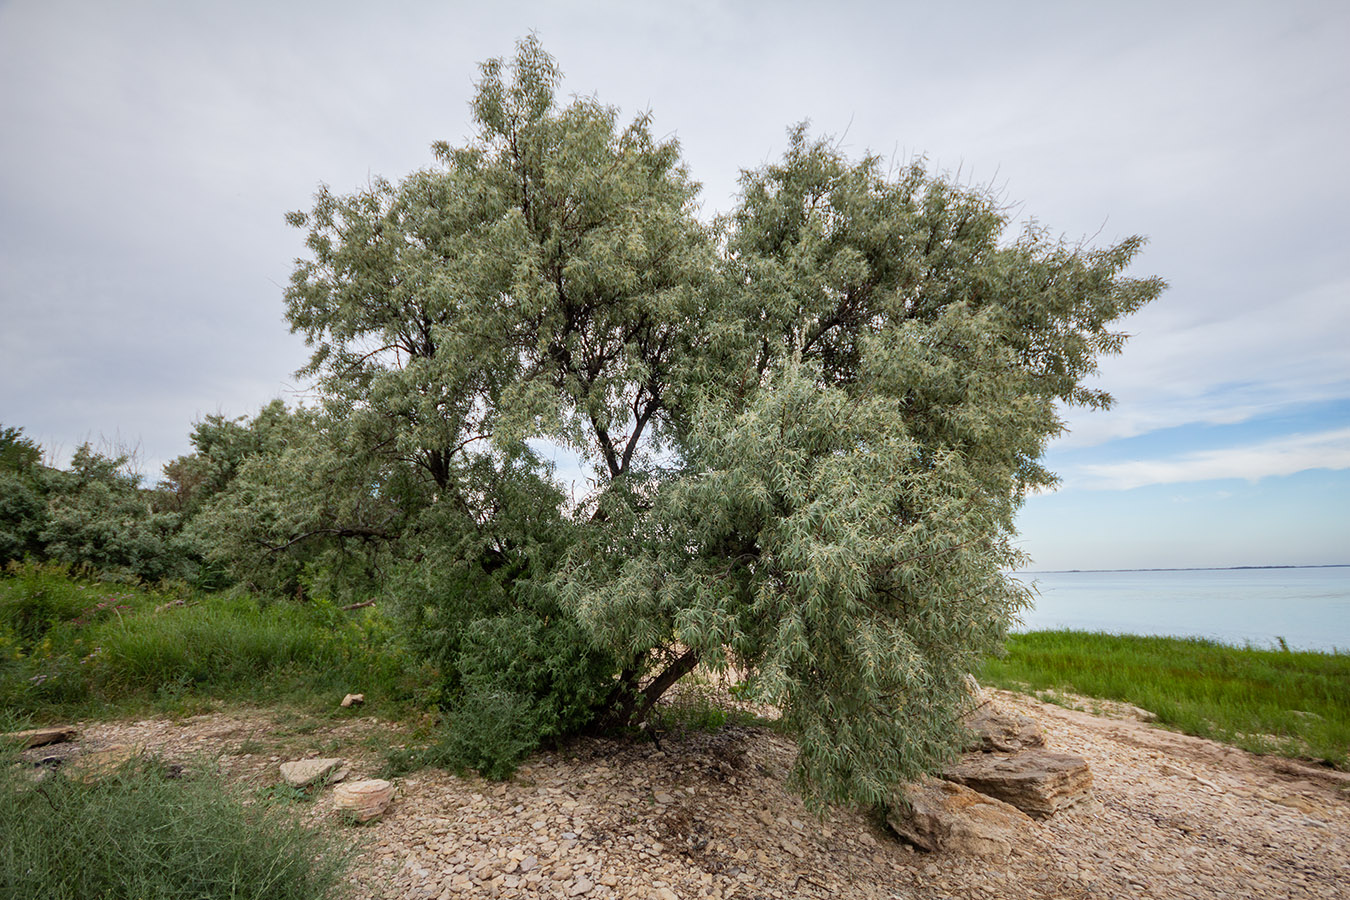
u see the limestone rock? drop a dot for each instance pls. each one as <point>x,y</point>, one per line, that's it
<point>353,700</point>
<point>363,800</point>
<point>978,695</point>
<point>941,815</point>
<point>40,737</point>
<point>90,767</point>
<point>304,772</point>
<point>999,732</point>
<point>1143,715</point>
<point>1038,782</point>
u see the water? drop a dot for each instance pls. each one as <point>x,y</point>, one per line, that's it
<point>1309,608</point>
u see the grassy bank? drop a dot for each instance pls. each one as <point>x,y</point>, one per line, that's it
<point>1267,701</point>
<point>73,647</point>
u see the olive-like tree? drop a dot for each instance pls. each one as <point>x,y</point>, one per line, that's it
<point>811,423</point>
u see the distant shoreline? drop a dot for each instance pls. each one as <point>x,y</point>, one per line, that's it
<point>1177,569</point>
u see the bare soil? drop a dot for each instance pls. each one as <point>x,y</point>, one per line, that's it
<point>708,815</point>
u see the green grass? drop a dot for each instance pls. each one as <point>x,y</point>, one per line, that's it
<point>72,646</point>
<point>143,834</point>
<point>1267,701</point>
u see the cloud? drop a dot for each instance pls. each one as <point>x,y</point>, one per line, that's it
<point>1183,366</point>
<point>1282,456</point>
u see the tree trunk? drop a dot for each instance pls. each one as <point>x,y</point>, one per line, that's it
<point>631,707</point>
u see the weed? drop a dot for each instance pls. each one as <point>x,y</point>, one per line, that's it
<point>143,832</point>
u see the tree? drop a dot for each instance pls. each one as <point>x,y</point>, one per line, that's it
<point>810,425</point>
<point>98,516</point>
<point>22,507</point>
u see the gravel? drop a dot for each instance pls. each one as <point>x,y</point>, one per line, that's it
<point>708,815</point>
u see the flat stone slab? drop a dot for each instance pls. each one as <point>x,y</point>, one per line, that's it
<point>40,737</point>
<point>1039,782</point>
<point>301,773</point>
<point>943,815</point>
<point>96,764</point>
<point>995,731</point>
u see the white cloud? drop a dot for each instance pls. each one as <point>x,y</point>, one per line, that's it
<point>1184,367</point>
<point>1282,456</point>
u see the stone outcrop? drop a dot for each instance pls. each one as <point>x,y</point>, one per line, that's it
<point>941,815</point>
<point>363,800</point>
<point>93,765</point>
<point>1039,782</point>
<point>39,737</point>
<point>994,731</point>
<point>302,773</point>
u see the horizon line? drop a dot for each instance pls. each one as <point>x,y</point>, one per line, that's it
<point>1184,569</point>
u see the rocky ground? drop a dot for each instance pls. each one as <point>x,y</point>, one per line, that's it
<point>707,815</point>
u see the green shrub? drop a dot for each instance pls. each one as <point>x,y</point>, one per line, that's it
<point>516,681</point>
<point>516,669</point>
<point>36,598</point>
<point>142,834</point>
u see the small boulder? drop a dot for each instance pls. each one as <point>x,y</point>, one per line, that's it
<point>90,767</point>
<point>353,700</point>
<point>39,737</point>
<point>363,800</point>
<point>941,815</point>
<point>999,732</point>
<point>1039,782</point>
<point>304,772</point>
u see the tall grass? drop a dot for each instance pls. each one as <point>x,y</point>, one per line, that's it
<point>140,834</point>
<point>1294,703</point>
<point>70,645</point>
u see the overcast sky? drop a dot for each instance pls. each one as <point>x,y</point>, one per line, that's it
<point>150,149</point>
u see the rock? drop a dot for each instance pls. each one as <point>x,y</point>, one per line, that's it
<point>1038,782</point>
<point>90,767</point>
<point>582,885</point>
<point>999,732</point>
<point>941,815</point>
<point>978,695</point>
<point>304,772</point>
<point>40,737</point>
<point>363,800</point>
<point>1136,712</point>
<point>353,700</point>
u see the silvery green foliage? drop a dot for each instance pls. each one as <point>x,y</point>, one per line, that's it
<point>299,514</point>
<point>97,516</point>
<point>22,506</point>
<point>810,425</point>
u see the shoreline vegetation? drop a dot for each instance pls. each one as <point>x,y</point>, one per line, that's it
<point>1293,703</point>
<point>75,647</point>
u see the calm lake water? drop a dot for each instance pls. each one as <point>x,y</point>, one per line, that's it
<point>1309,608</point>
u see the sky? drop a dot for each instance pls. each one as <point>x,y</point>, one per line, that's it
<point>149,151</point>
